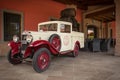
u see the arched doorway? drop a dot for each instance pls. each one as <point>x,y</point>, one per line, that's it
<point>92,32</point>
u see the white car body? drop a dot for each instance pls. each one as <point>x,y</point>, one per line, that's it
<point>52,38</point>
<point>67,39</point>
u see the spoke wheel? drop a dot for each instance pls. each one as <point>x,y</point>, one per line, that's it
<point>55,41</point>
<point>16,59</point>
<point>41,60</point>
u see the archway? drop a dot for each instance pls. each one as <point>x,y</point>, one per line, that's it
<point>92,32</point>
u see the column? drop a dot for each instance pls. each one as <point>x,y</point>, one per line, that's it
<point>117,47</point>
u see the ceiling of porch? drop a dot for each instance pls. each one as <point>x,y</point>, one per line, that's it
<point>105,15</point>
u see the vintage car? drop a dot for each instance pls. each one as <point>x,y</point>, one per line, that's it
<point>52,38</point>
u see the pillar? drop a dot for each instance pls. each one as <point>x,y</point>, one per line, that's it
<point>117,47</point>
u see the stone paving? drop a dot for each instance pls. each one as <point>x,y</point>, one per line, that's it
<point>87,66</point>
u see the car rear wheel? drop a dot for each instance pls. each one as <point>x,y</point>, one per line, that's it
<point>16,59</point>
<point>76,50</point>
<point>55,41</point>
<point>41,60</point>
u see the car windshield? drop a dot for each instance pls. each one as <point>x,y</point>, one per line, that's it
<point>48,27</point>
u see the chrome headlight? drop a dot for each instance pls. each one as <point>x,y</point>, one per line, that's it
<point>15,38</point>
<point>29,38</point>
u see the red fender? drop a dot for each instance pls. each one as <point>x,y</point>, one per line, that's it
<point>15,47</point>
<point>37,45</point>
<point>77,42</point>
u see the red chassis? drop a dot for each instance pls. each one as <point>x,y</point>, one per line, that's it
<point>40,51</point>
<point>33,47</point>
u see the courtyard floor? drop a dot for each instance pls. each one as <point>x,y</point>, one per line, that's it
<point>86,66</point>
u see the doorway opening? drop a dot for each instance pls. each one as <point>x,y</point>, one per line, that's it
<point>91,32</point>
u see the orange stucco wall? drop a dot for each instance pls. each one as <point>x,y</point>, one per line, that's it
<point>113,27</point>
<point>34,11</point>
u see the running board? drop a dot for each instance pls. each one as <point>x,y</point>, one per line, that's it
<point>65,52</point>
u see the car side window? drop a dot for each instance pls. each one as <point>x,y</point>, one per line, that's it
<point>48,27</point>
<point>43,28</point>
<point>65,28</point>
<point>52,27</point>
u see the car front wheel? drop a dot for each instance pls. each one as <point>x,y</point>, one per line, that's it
<point>16,59</point>
<point>41,60</point>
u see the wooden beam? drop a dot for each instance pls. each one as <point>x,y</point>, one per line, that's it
<point>106,11</point>
<point>75,2</point>
<point>83,4</point>
<point>97,2</point>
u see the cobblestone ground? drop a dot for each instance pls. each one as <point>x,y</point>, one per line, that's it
<point>87,66</point>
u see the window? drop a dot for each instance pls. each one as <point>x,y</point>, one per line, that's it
<point>48,27</point>
<point>12,25</point>
<point>65,28</point>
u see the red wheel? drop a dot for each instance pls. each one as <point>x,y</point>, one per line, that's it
<point>16,59</point>
<point>41,60</point>
<point>76,50</point>
<point>55,41</point>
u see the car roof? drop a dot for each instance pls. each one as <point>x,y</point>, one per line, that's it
<point>58,22</point>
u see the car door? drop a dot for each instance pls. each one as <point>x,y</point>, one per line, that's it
<point>65,35</point>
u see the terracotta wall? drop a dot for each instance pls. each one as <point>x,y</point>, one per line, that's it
<point>108,26</point>
<point>34,11</point>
